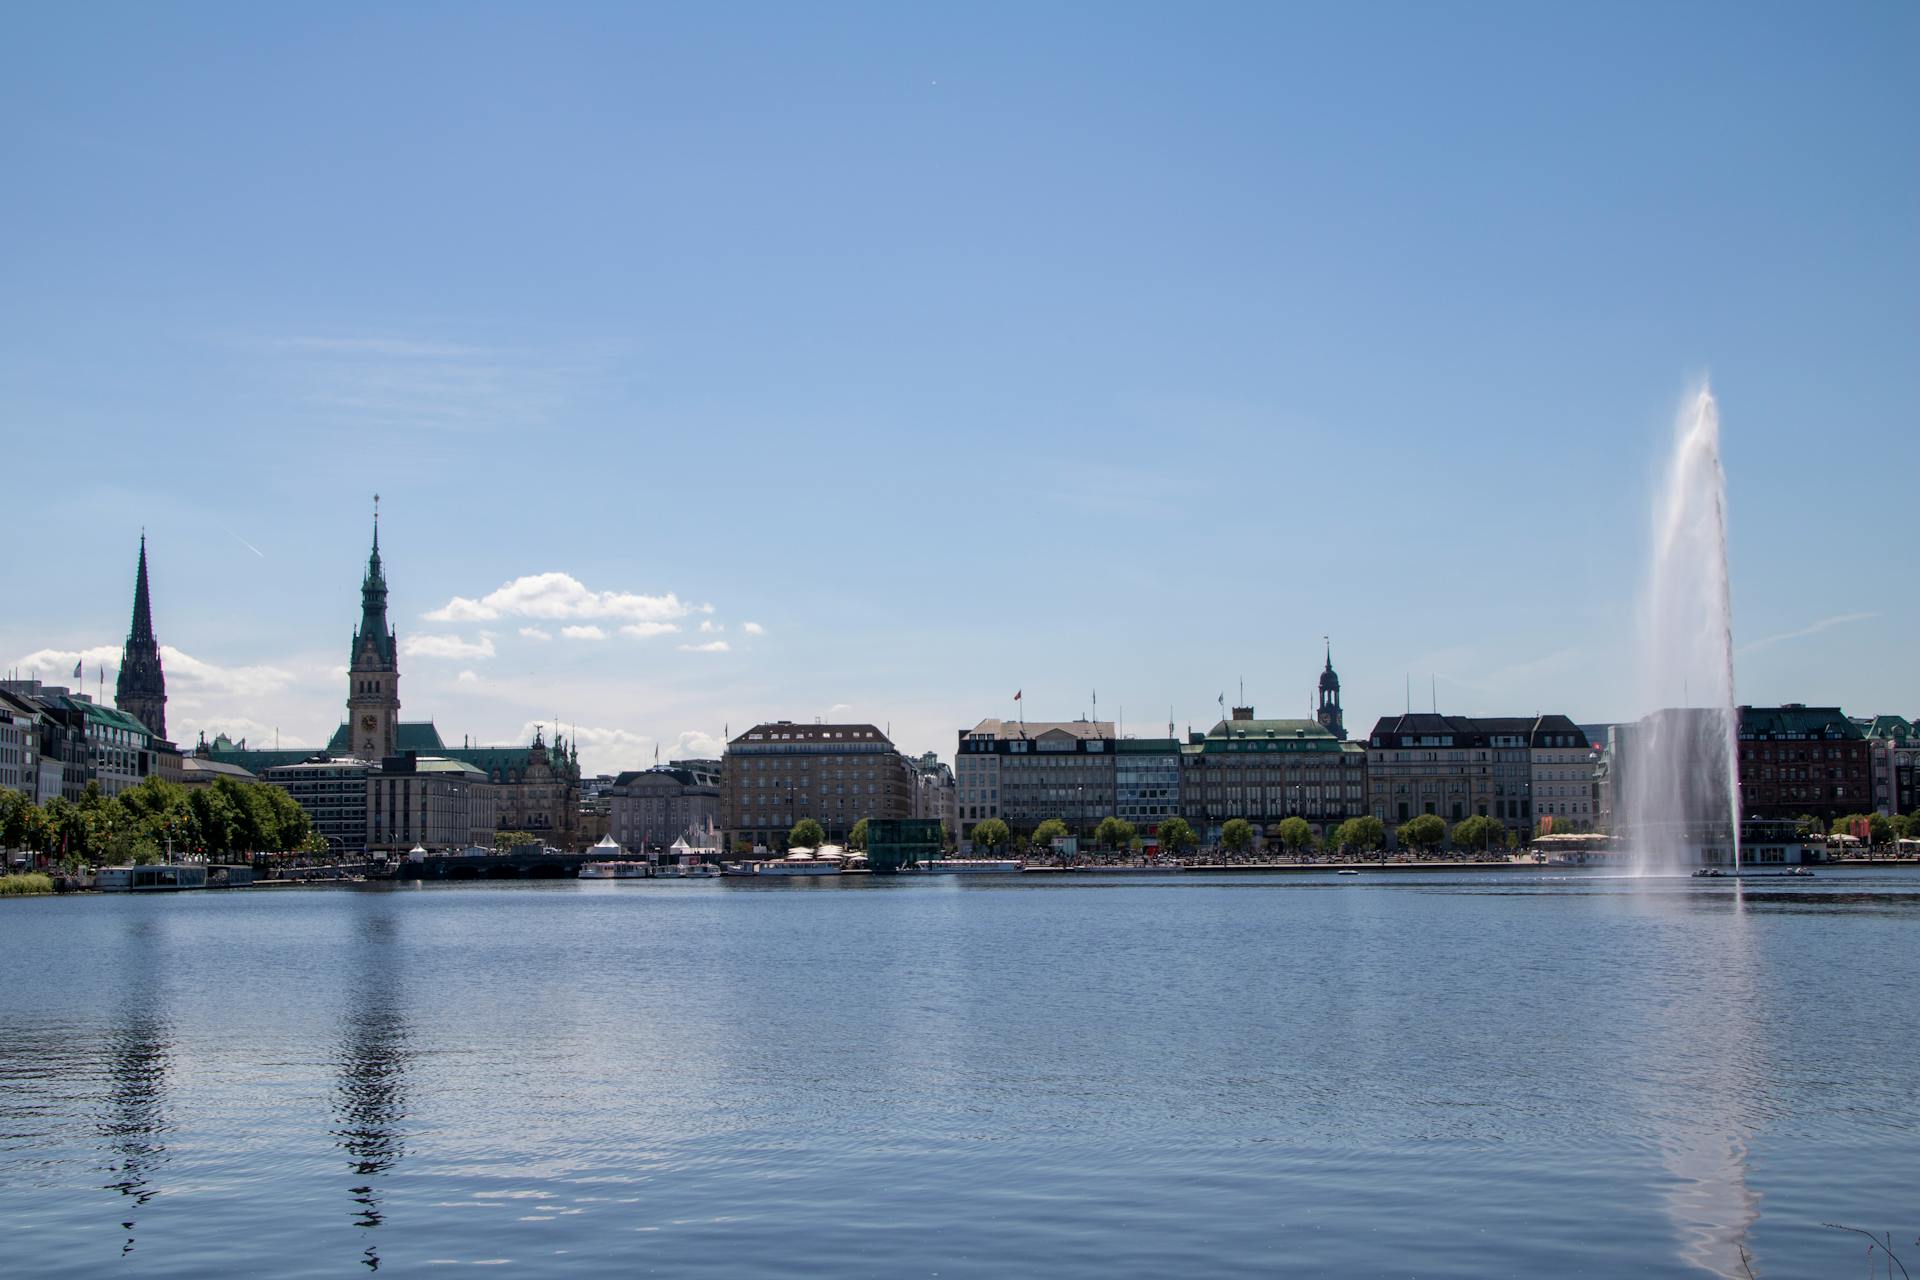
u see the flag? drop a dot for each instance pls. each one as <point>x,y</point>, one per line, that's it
<point>1017,693</point>
<point>76,672</point>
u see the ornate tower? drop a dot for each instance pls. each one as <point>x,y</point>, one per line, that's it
<point>141,690</point>
<point>373,672</point>
<point>1329,713</point>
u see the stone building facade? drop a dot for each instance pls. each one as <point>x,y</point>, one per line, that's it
<point>1504,767</point>
<point>1266,771</point>
<point>777,773</point>
<point>1025,772</point>
<point>1797,760</point>
<point>648,809</point>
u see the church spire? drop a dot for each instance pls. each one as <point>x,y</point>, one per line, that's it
<point>373,600</point>
<point>141,689</point>
<point>142,628</point>
<point>373,671</point>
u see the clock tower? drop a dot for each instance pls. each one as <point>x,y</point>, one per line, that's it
<point>373,672</point>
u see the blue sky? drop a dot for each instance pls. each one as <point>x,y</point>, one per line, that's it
<point>1056,348</point>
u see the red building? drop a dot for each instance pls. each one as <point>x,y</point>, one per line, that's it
<point>1797,760</point>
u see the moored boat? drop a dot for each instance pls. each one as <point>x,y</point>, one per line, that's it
<point>154,877</point>
<point>971,866</point>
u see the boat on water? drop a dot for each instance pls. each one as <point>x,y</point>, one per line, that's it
<point>610,862</point>
<point>971,866</point>
<point>614,869</point>
<point>802,862</point>
<point>690,862</point>
<point>154,877</point>
<point>1132,868</point>
<point>1346,871</point>
<point>1708,873</point>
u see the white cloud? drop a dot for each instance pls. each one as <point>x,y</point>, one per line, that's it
<point>467,677</point>
<point>646,630</point>
<point>186,674</point>
<point>838,707</point>
<point>709,626</point>
<point>753,628</point>
<point>712,646</point>
<point>536,633</point>
<point>583,633</point>
<point>695,744</point>
<point>446,647</point>
<point>560,596</point>
<point>1840,619</point>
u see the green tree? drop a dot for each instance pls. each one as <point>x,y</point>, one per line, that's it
<point>1237,835</point>
<point>1047,832</point>
<point>1296,834</point>
<point>1479,832</point>
<point>1902,826</point>
<point>857,838</point>
<point>1808,826</point>
<point>16,819</point>
<point>70,832</point>
<point>806,834</point>
<point>214,821</point>
<point>284,825</point>
<point>1114,833</point>
<point>990,834</point>
<point>1425,832</point>
<point>1176,836</point>
<point>505,841</point>
<point>1364,834</point>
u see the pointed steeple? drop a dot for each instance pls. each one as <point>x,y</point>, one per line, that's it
<point>373,601</point>
<point>141,689</point>
<point>142,628</point>
<point>1329,714</point>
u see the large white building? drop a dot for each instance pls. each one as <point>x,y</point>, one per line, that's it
<point>1027,772</point>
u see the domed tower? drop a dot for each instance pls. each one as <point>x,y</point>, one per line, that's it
<point>1329,713</point>
<point>141,690</point>
<point>373,672</point>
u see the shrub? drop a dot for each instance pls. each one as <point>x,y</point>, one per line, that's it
<point>21,886</point>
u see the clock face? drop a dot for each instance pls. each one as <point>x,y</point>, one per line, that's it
<point>367,722</point>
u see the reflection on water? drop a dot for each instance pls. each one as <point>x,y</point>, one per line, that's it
<point>1459,1076</point>
<point>135,1119</point>
<point>370,1101</point>
<point>1704,1099</point>
<point>138,1049</point>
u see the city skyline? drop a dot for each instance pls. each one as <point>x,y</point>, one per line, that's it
<point>612,749</point>
<point>1131,355</point>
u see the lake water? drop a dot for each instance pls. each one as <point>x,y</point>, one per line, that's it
<point>1389,1075</point>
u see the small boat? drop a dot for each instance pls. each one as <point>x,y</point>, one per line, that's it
<point>802,862</point>
<point>614,870</point>
<point>972,866</point>
<point>1708,873</point>
<point>1346,871</point>
<point>154,877</point>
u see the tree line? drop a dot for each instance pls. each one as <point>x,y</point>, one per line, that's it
<point>157,819</point>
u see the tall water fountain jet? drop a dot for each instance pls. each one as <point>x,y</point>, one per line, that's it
<point>1679,785</point>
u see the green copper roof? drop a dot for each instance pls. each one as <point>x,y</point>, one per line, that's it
<point>1898,728</point>
<point>411,735</point>
<point>1269,735</point>
<point>1794,722</point>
